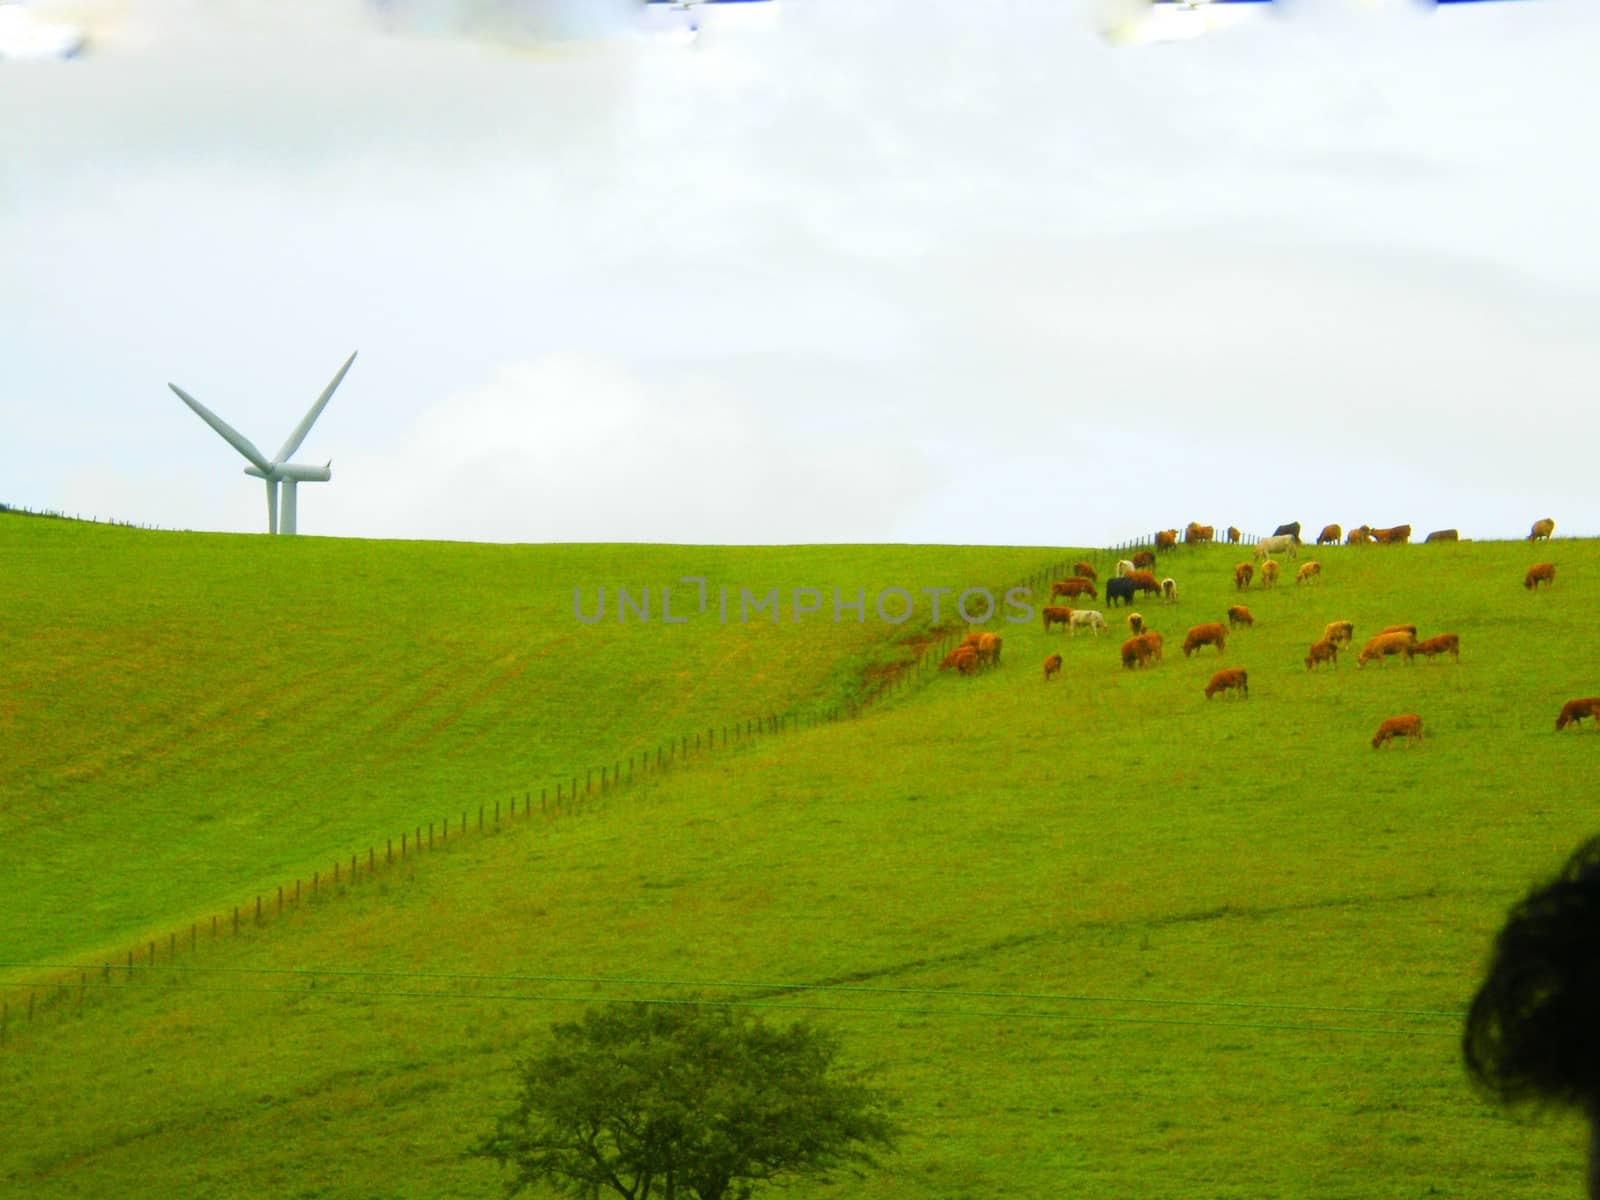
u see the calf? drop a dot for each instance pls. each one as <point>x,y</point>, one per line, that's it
<point>1145,558</point>
<point>1169,590</point>
<point>1057,616</point>
<point>1382,646</point>
<point>1205,635</point>
<point>1223,681</point>
<point>1574,711</point>
<point>1085,570</point>
<point>1443,535</point>
<point>1542,530</point>
<point>1136,623</point>
<point>1323,652</point>
<point>1239,615</point>
<point>1544,573</point>
<point>1119,590</point>
<point>1444,643</point>
<point>1408,726</point>
<point>1330,535</point>
<point>1339,631</point>
<point>1308,572</point>
<point>1242,575</point>
<point>1269,573</point>
<point>1051,666</point>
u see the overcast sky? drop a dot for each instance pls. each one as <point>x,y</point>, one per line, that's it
<point>888,270</point>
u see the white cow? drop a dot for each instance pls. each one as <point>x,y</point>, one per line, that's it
<point>1087,618</point>
<point>1276,544</point>
<point>1169,590</point>
<point>1124,568</point>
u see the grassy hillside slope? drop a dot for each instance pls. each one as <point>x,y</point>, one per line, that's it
<point>1104,937</point>
<point>190,719</point>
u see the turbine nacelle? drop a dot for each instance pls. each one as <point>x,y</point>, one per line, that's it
<point>295,472</point>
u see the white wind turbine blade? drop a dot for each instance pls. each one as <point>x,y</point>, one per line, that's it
<point>300,430</point>
<point>231,435</point>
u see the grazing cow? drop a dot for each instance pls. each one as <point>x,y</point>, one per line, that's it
<point>1308,572</point>
<point>1359,536</point>
<point>1444,643</point>
<point>1339,631</point>
<point>1119,589</point>
<point>1321,652</point>
<point>1073,588</point>
<point>1136,623</point>
<point>1443,535</point>
<point>1205,635</point>
<point>1278,543</point>
<point>1330,535</point>
<point>1234,535</point>
<point>1087,618</point>
<point>1574,711</point>
<point>1154,640</point>
<point>1399,535</point>
<point>1544,573</point>
<point>1135,652</point>
<point>1292,529</point>
<point>1382,645</point>
<point>1411,629</point>
<point>1242,575</point>
<point>1167,539</point>
<point>1196,534</point>
<point>1144,581</point>
<point>1051,666</point>
<point>1057,616</point>
<point>972,639</point>
<point>1169,590</point>
<point>1269,573</point>
<point>1408,726</point>
<point>1145,558</point>
<point>1542,529</point>
<point>1124,568</point>
<point>1085,570</point>
<point>1239,615</point>
<point>1224,681</point>
<point>989,645</point>
<point>963,658</point>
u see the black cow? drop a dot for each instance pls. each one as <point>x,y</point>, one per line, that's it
<point>1292,529</point>
<point>1119,589</point>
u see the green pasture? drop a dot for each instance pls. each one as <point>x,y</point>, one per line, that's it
<point>1102,936</point>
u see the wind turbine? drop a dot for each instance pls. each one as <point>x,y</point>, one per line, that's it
<point>291,475</point>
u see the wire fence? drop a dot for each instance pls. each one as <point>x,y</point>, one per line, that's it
<point>23,510</point>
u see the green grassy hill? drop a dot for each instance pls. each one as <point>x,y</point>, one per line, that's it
<point>1103,937</point>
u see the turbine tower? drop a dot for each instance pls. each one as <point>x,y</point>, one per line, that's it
<point>291,475</point>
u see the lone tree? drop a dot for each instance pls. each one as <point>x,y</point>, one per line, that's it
<point>684,1101</point>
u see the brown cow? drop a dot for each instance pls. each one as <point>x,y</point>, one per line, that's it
<point>972,639</point>
<point>1145,558</point>
<point>963,658</point>
<point>1234,535</point>
<point>1399,535</point>
<point>1051,666</point>
<point>1205,635</point>
<point>1222,681</point>
<point>1444,643</point>
<point>1330,535</point>
<point>1411,629</point>
<point>1073,588</point>
<point>1135,652</point>
<point>1408,726</point>
<point>1153,639</point>
<point>989,645</point>
<point>1146,582</point>
<point>1544,573</point>
<point>1197,534</point>
<point>1307,572</point>
<point>1239,615</point>
<point>1085,570</point>
<point>1269,573</point>
<point>1242,575</point>
<point>1443,535</point>
<point>1383,645</point>
<point>1167,539</point>
<point>1574,711</point>
<point>1323,652</point>
<point>1339,631</point>
<point>1542,529</point>
<point>1057,616</point>
<point>1136,623</point>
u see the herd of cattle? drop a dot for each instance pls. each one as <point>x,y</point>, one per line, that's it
<point>1144,646</point>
